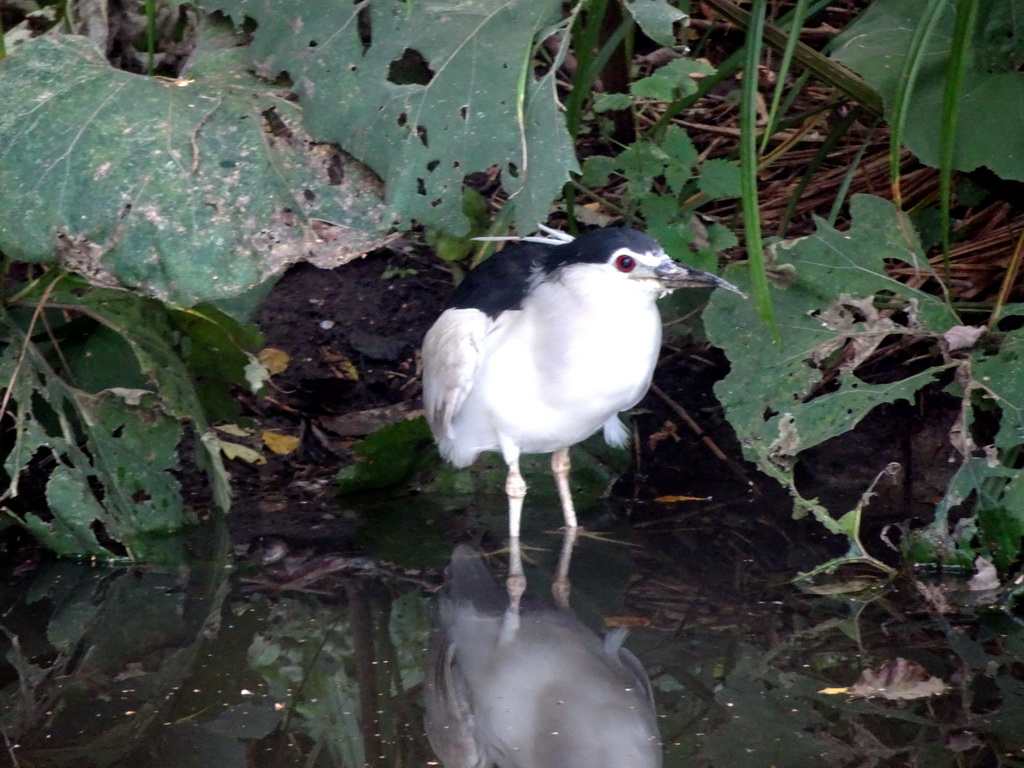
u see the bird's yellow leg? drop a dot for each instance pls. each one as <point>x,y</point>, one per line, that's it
<point>515,489</point>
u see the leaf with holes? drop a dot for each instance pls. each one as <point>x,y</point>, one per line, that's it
<point>187,190</point>
<point>91,461</point>
<point>776,396</point>
<point>425,93</point>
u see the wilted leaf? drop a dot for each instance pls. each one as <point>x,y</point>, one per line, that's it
<point>796,408</point>
<point>112,449</point>
<point>897,679</point>
<point>963,336</point>
<point>234,430</point>
<point>243,452</point>
<point>275,360</point>
<point>986,579</point>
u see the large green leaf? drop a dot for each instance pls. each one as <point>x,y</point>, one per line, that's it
<point>185,190</point>
<point>776,396</point>
<point>105,452</point>
<point>988,131</point>
<point>425,93</point>
<point>784,398</point>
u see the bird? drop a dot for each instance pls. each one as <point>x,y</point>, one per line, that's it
<point>541,346</point>
<point>534,688</point>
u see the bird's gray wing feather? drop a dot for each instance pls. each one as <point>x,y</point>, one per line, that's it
<point>449,719</point>
<point>452,351</point>
<point>613,647</point>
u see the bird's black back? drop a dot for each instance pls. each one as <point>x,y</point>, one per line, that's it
<point>502,282</point>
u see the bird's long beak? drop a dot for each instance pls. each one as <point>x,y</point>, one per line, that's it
<point>674,275</point>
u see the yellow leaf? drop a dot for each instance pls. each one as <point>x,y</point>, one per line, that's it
<point>275,360</point>
<point>278,443</point>
<point>243,452</point>
<point>234,430</point>
<point>834,690</point>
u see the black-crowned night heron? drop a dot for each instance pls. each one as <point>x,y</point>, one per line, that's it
<point>542,345</point>
<point>533,688</point>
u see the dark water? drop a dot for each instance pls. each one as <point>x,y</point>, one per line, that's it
<point>318,661</point>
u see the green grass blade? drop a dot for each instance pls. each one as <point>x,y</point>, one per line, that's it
<point>799,14</point>
<point>823,68</point>
<point>748,170</point>
<point>908,79</point>
<point>963,34</point>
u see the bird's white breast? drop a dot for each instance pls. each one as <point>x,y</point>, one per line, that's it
<point>580,351</point>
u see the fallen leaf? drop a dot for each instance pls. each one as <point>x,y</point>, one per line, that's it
<point>897,679</point>
<point>275,360</point>
<point>962,336</point>
<point>234,430</point>
<point>279,443</point>
<point>339,364</point>
<point>673,499</point>
<point>243,452</point>
<point>361,423</point>
<point>986,579</point>
<point>668,430</point>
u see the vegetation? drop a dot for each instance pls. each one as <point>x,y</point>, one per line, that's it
<point>220,180</point>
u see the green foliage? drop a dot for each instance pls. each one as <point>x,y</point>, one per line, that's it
<point>452,248</point>
<point>655,18</point>
<point>387,457</point>
<point>186,191</point>
<point>98,390</point>
<point>673,81</point>
<point>664,181</point>
<point>785,398</point>
<point>431,93</point>
<point>663,186</point>
<point>215,349</point>
<point>877,44</point>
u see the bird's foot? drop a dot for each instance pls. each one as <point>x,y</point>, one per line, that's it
<point>560,591</point>
<point>516,586</point>
<point>560,587</point>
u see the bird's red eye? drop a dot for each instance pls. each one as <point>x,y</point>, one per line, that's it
<point>625,263</point>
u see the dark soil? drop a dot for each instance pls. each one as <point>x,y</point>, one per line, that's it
<point>352,335</point>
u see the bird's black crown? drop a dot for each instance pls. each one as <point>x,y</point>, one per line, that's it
<point>502,282</point>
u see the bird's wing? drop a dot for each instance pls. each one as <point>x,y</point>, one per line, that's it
<point>452,351</point>
<point>631,664</point>
<point>449,718</point>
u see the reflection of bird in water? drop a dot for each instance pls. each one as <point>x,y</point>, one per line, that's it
<point>531,689</point>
